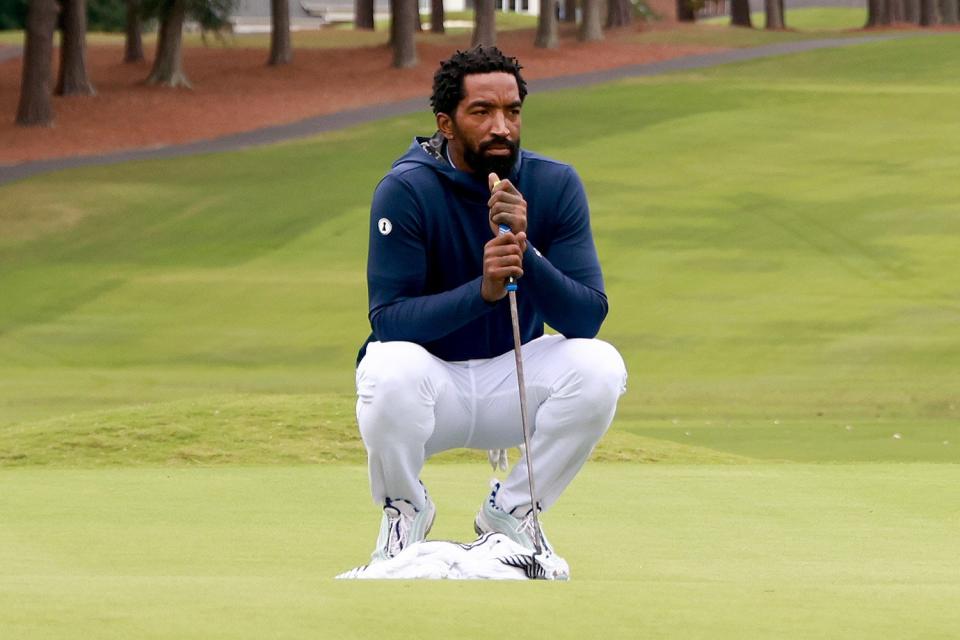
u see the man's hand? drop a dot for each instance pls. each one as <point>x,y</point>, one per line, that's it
<point>507,207</point>
<point>502,259</point>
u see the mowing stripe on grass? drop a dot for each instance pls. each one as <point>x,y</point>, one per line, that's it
<point>332,122</point>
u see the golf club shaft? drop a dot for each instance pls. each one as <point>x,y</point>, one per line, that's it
<point>514,317</point>
<point>515,321</point>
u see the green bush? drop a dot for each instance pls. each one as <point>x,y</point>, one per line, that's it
<point>106,15</point>
<point>13,14</point>
<point>102,15</point>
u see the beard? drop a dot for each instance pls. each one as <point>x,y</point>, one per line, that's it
<point>483,164</point>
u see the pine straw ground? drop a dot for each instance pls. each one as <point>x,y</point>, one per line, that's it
<point>234,90</point>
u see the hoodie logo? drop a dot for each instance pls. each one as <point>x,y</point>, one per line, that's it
<point>384,226</point>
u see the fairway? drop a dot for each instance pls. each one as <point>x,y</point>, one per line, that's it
<point>674,551</point>
<point>178,453</point>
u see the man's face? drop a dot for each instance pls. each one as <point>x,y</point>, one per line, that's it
<point>484,132</point>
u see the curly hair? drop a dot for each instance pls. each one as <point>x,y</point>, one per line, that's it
<point>448,80</point>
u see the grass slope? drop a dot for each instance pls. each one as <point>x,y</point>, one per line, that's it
<point>778,237</point>
<point>809,18</point>
<point>783,551</point>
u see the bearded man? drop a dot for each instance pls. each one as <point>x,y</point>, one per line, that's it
<point>437,373</point>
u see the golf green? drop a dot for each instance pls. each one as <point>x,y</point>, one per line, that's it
<point>781,551</point>
<point>177,339</point>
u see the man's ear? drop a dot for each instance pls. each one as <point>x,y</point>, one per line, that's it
<point>445,125</point>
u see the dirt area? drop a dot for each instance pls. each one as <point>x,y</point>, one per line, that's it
<point>235,91</point>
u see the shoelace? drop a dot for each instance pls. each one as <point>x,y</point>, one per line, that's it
<point>530,530</point>
<point>399,529</point>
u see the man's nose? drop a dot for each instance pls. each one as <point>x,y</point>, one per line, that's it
<point>499,127</point>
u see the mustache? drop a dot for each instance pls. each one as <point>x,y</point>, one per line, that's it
<point>498,141</point>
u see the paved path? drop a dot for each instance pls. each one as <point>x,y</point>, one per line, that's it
<point>334,121</point>
<point>10,51</point>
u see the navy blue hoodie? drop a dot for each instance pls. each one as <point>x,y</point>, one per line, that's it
<point>428,227</point>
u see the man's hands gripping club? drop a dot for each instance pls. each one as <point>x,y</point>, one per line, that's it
<point>503,255</point>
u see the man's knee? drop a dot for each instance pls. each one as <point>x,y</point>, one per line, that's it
<point>598,372</point>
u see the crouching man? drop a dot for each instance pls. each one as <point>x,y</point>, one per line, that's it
<point>438,371</point>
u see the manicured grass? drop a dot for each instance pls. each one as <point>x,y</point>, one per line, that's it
<point>777,551</point>
<point>809,18</point>
<point>778,239</point>
<point>177,339</point>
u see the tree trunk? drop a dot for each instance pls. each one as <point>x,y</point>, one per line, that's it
<point>569,11</point>
<point>417,24</point>
<point>774,15</point>
<point>685,12</point>
<point>280,50</point>
<point>619,13</point>
<point>403,33</point>
<point>911,11</point>
<point>36,105</point>
<point>590,29</point>
<point>949,11</point>
<point>72,79</point>
<point>484,24</point>
<point>168,66</point>
<point>740,13</point>
<point>133,47</point>
<point>363,15</point>
<point>547,37</point>
<point>437,17</point>
<point>897,11</point>
<point>928,13</point>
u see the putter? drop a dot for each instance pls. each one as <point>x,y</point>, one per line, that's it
<point>515,320</point>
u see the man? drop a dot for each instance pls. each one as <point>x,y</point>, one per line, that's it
<point>438,371</point>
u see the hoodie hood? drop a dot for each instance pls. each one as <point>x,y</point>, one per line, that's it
<point>432,152</point>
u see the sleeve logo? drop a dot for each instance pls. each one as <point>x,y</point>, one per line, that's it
<point>385,226</point>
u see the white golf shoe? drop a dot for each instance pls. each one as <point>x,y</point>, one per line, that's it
<point>402,525</point>
<point>493,519</point>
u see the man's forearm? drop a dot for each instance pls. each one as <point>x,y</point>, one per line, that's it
<point>571,307</point>
<point>426,318</point>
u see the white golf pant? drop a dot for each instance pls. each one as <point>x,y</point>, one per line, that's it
<point>412,405</point>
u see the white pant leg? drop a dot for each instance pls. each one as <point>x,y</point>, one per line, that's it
<point>572,391</point>
<point>412,405</point>
<point>400,389</point>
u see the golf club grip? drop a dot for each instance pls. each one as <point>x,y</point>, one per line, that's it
<point>511,281</point>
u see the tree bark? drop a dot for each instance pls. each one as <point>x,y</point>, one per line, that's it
<point>437,16</point>
<point>740,13</point>
<point>949,11</point>
<point>363,15</point>
<point>281,52</point>
<point>774,15</point>
<point>911,11</point>
<point>685,12</point>
<point>547,37</point>
<point>569,11</point>
<point>133,45</point>
<point>619,13</point>
<point>72,79</point>
<point>484,24</point>
<point>36,104</point>
<point>928,13</point>
<point>897,11</point>
<point>168,64</point>
<point>403,33</point>
<point>590,29</point>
